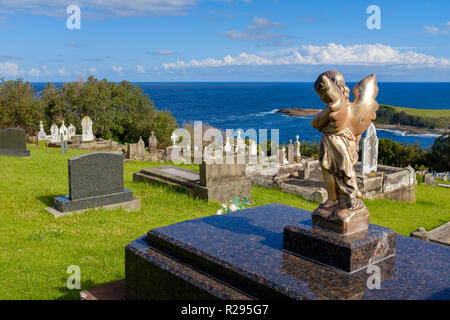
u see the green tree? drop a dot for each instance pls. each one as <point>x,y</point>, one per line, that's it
<point>439,157</point>
<point>19,106</point>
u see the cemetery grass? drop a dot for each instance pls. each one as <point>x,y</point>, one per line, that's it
<point>37,248</point>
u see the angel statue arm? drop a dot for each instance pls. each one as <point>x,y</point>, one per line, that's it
<point>336,100</point>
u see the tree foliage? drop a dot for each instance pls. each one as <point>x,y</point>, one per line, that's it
<point>119,111</point>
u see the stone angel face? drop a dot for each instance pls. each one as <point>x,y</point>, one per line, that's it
<point>340,113</point>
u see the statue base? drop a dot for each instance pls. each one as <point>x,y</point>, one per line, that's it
<point>342,220</point>
<point>349,253</point>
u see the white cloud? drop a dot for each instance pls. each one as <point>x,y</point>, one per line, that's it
<point>117,69</point>
<point>62,72</point>
<point>118,8</point>
<point>436,30</point>
<point>34,72</point>
<point>10,69</point>
<point>140,69</point>
<point>92,70</point>
<point>242,60</point>
<point>332,54</point>
<point>44,67</point>
<point>163,53</point>
<point>259,33</point>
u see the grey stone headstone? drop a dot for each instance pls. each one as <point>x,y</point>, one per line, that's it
<point>153,144</point>
<point>95,174</point>
<point>369,151</point>
<point>13,143</point>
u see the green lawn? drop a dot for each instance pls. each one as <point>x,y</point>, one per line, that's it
<point>37,248</point>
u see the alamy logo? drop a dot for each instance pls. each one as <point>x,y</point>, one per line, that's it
<point>74,281</point>
<point>374,21</point>
<point>74,20</point>
<point>374,280</point>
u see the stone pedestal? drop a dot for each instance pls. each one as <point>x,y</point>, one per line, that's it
<point>349,253</point>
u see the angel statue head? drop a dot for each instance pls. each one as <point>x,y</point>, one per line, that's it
<point>339,81</point>
<point>342,123</point>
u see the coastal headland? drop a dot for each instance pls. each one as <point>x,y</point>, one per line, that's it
<point>408,120</point>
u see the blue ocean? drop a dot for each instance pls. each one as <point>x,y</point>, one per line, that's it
<point>253,105</point>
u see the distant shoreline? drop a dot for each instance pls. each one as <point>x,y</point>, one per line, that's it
<point>299,112</point>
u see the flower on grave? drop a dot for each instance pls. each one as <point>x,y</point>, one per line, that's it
<point>233,207</point>
<point>219,212</point>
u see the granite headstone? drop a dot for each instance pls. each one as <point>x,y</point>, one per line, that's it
<point>13,143</point>
<point>95,180</point>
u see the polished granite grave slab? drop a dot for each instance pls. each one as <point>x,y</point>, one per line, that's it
<point>242,252</point>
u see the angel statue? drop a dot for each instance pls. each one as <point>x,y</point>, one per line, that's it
<point>342,123</point>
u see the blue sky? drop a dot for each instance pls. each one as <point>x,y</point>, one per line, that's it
<point>224,40</point>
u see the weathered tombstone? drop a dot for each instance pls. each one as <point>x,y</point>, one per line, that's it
<point>86,126</point>
<point>54,131</point>
<point>63,144</point>
<point>369,151</point>
<point>42,136</point>
<point>290,152</point>
<point>228,148</point>
<point>253,148</point>
<point>72,131</point>
<point>297,153</point>
<point>283,155</point>
<point>95,180</point>
<point>136,151</point>
<point>13,143</point>
<point>152,144</point>
<point>63,132</point>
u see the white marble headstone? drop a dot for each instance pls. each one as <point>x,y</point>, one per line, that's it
<point>42,135</point>
<point>228,147</point>
<point>253,148</point>
<point>54,132</point>
<point>72,131</point>
<point>86,126</point>
<point>64,132</point>
<point>369,151</point>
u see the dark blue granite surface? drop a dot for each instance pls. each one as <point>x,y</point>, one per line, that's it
<point>244,249</point>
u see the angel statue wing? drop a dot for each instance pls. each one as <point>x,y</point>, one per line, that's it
<point>335,115</point>
<point>364,107</point>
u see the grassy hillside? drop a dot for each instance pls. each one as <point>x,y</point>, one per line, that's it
<point>427,118</point>
<point>37,248</point>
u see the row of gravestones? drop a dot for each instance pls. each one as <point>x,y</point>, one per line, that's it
<point>369,152</point>
<point>136,151</point>
<point>56,134</point>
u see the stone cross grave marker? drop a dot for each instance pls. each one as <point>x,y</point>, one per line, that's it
<point>174,138</point>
